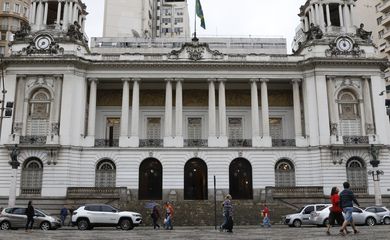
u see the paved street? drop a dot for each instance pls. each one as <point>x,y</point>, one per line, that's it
<point>240,232</point>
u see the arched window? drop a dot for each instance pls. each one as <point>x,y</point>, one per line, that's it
<point>240,179</point>
<point>105,174</point>
<point>349,114</point>
<point>357,175</point>
<point>39,113</point>
<point>32,177</point>
<point>284,174</point>
<point>195,180</point>
<point>150,180</point>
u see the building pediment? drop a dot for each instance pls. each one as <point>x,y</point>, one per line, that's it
<point>195,51</point>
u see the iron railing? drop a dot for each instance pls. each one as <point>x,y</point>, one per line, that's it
<point>195,142</point>
<point>33,140</point>
<point>30,191</point>
<point>355,140</point>
<point>106,142</point>
<point>283,143</point>
<point>240,142</point>
<point>150,143</point>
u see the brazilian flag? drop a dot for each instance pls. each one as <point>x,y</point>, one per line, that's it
<point>199,13</point>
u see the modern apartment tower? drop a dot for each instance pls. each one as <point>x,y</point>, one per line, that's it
<point>12,14</point>
<point>146,18</point>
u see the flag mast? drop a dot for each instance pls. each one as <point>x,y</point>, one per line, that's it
<point>195,39</point>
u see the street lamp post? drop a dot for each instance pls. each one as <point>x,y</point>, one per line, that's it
<point>14,164</point>
<point>375,173</point>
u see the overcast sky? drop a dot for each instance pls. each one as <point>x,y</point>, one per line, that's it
<point>231,18</point>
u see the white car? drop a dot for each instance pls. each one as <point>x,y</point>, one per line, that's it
<point>302,217</point>
<point>100,215</point>
<point>383,212</point>
<point>360,217</point>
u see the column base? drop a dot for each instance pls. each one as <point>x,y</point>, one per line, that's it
<point>266,141</point>
<point>373,139</point>
<point>335,140</point>
<point>179,141</point>
<point>124,141</point>
<point>300,141</point>
<point>52,140</point>
<point>256,141</point>
<point>169,142</point>
<point>218,142</point>
<point>89,141</point>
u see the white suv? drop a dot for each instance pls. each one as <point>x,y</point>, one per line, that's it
<point>100,215</point>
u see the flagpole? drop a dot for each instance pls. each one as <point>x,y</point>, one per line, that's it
<point>195,39</point>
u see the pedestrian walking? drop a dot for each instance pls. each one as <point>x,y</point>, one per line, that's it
<point>266,217</point>
<point>30,212</point>
<point>347,198</point>
<point>227,214</point>
<point>63,215</point>
<point>336,213</point>
<point>168,216</point>
<point>155,217</point>
<point>71,210</point>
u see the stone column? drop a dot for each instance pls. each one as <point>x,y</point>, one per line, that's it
<point>328,21</point>
<point>46,12</point>
<point>75,11</point>
<point>256,140</point>
<point>368,106</point>
<point>347,20</point>
<point>333,112</point>
<point>65,17</point>
<point>92,108</point>
<point>70,12</point>
<point>352,13</point>
<point>134,138</point>
<point>297,108</point>
<point>322,17</point>
<point>362,118</point>
<point>59,9</point>
<point>313,15</point>
<point>222,108</point>
<point>266,138</point>
<point>124,131</point>
<point>212,119</point>
<point>306,24</point>
<point>34,13</point>
<point>168,139</point>
<point>179,113</point>
<point>40,14</point>
<point>83,24</point>
<point>341,15</point>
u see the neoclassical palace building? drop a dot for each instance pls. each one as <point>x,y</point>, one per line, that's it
<point>161,117</point>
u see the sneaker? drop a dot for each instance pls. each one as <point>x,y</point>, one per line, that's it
<point>356,231</point>
<point>342,233</point>
<point>328,233</point>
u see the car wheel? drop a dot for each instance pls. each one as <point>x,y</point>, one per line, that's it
<point>125,224</point>
<point>45,226</point>
<point>370,221</point>
<point>326,222</point>
<point>297,223</point>
<point>386,221</point>
<point>5,225</point>
<point>83,224</point>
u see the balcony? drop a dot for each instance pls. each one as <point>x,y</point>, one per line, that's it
<point>356,140</point>
<point>195,143</point>
<point>283,143</point>
<point>384,7</point>
<point>106,142</point>
<point>151,143</point>
<point>386,35</point>
<point>32,140</point>
<point>386,20</point>
<point>30,191</point>
<point>240,142</point>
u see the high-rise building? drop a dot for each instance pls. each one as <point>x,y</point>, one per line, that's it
<point>147,19</point>
<point>12,14</point>
<point>382,33</point>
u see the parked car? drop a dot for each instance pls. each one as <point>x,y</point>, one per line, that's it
<point>302,217</point>
<point>360,217</point>
<point>383,212</point>
<point>100,215</point>
<point>14,218</point>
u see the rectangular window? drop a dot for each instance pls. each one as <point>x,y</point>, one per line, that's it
<point>275,127</point>
<point>166,20</point>
<point>112,128</point>
<point>178,20</point>
<point>17,8</point>
<point>194,128</point>
<point>6,7</point>
<point>235,128</point>
<point>379,20</point>
<point>178,30</point>
<point>153,128</point>
<point>381,33</point>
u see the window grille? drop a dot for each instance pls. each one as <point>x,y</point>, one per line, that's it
<point>276,129</point>
<point>350,124</point>
<point>39,113</point>
<point>357,174</point>
<point>105,174</point>
<point>153,128</point>
<point>194,128</point>
<point>32,172</point>
<point>284,174</point>
<point>235,128</point>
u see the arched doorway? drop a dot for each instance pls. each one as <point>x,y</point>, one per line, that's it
<point>105,175</point>
<point>195,180</point>
<point>32,172</point>
<point>240,179</point>
<point>150,180</point>
<point>357,175</point>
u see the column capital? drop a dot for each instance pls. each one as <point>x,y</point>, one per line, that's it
<point>366,77</point>
<point>136,79</point>
<point>221,79</point>
<point>168,79</point>
<point>254,80</point>
<point>264,80</point>
<point>125,79</point>
<point>179,79</point>
<point>95,80</point>
<point>296,80</point>
<point>330,77</point>
<point>211,80</point>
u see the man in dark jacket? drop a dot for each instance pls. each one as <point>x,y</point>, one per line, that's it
<point>347,198</point>
<point>30,212</point>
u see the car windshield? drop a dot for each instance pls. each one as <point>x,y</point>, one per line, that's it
<point>43,212</point>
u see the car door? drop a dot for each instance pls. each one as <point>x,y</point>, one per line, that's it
<point>380,212</point>
<point>94,214</point>
<point>38,217</point>
<point>306,214</point>
<point>358,216</point>
<point>109,214</point>
<point>18,217</point>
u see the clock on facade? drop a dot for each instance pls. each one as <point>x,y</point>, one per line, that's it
<point>43,42</point>
<point>344,44</point>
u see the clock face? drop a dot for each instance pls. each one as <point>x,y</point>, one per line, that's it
<point>43,42</point>
<point>344,44</point>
